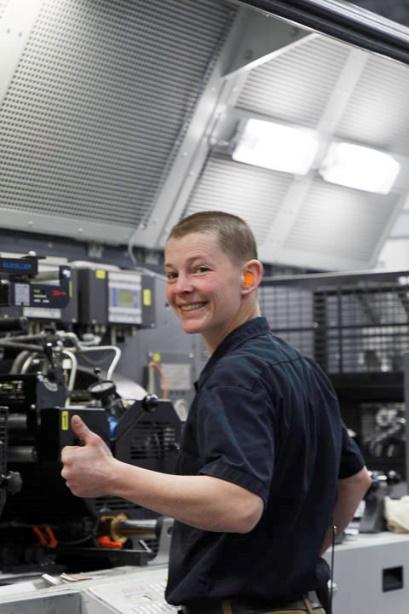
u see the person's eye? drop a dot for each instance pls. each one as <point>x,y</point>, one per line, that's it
<point>170,276</point>
<point>202,269</point>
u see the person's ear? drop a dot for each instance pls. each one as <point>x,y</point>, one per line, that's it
<point>251,275</point>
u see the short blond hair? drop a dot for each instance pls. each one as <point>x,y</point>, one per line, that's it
<point>233,234</point>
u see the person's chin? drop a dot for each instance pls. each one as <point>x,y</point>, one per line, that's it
<point>192,327</point>
<point>194,323</point>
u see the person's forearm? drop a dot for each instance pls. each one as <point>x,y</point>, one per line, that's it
<point>350,493</point>
<point>203,502</point>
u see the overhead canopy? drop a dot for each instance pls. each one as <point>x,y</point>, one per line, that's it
<point>117,119</point>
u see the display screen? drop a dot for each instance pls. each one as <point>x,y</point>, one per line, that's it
<point>20,266</point>
<point>125,298</point>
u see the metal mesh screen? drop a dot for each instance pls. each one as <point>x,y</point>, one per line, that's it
<point>290,315</point>
<point>96,103</point>
<point>152,441</point>
<point>348,324</point>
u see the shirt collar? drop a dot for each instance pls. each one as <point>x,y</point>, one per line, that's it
<point>252,328</point>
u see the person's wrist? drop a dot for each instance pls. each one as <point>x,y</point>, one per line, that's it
<point>115,482</point>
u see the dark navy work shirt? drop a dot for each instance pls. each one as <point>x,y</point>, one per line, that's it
<point>265,418</point>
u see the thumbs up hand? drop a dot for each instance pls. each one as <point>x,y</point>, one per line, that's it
<point>88,469</point>
<point>85,435</point>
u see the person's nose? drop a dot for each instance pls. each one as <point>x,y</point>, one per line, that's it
<point>183,284</point>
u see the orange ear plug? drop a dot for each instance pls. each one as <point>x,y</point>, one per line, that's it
<point>248,278</point>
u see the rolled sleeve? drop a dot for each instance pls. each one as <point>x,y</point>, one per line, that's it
<point>352,460</point>
<point>236,435</point>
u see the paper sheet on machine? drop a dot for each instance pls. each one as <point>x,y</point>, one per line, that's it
<point>141,594</point>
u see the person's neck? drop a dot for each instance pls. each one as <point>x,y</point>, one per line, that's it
<point>245,316</point>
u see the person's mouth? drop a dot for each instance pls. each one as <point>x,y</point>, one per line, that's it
<point>191,306</point>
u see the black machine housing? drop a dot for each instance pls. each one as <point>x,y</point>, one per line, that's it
<point>42,525</point>
<point>145,434</point>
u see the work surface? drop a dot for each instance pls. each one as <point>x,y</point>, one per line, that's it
<point>371,575</point>
<point>123,590</point>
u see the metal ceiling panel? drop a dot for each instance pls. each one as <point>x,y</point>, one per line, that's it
<point>378,111</point>
<point>401,226</point>
<point>295,86</point>
<point>319,225</point>
<point>98,100</point>
<point>3,4</point>
<point>337,227</point>
<point>251,192</point>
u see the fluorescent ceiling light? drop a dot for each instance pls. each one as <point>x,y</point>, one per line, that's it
<point>359,167</point>
<point>275,146</point>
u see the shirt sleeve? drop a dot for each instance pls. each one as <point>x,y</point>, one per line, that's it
<point>352,460</point>
<point>236,436</point>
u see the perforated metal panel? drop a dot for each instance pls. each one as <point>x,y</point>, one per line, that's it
<point>95,106</point>
<point>296,85</point>
<point>251,192</point>
<point>378,112</point>
<point>340,222</point>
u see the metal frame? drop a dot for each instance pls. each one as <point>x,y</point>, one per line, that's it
<point>319,279</point>
<point>349,23</point>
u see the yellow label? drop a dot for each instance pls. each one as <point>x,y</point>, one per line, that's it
<point>147,297</point>
<point>70,289</point>
<point>156,357</point>
<point>100,274</point>
<point>65,421</point>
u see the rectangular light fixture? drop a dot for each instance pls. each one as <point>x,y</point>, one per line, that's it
<point>275,146</point>
<point>362,168</point>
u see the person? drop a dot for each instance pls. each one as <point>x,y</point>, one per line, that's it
<point>266,467</point>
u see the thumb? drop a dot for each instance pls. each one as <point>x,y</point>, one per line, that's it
<point>81,430</point>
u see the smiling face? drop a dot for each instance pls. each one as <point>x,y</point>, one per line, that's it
<point>205,288</point>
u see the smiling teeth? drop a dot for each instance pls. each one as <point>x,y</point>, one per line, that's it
<point>191,307</point>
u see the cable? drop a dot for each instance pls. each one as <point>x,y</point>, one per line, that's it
<point>331,592</point>
<point>76,542</point>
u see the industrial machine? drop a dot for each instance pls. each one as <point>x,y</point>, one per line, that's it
<point>18,291</point>
<point>42,384</point>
